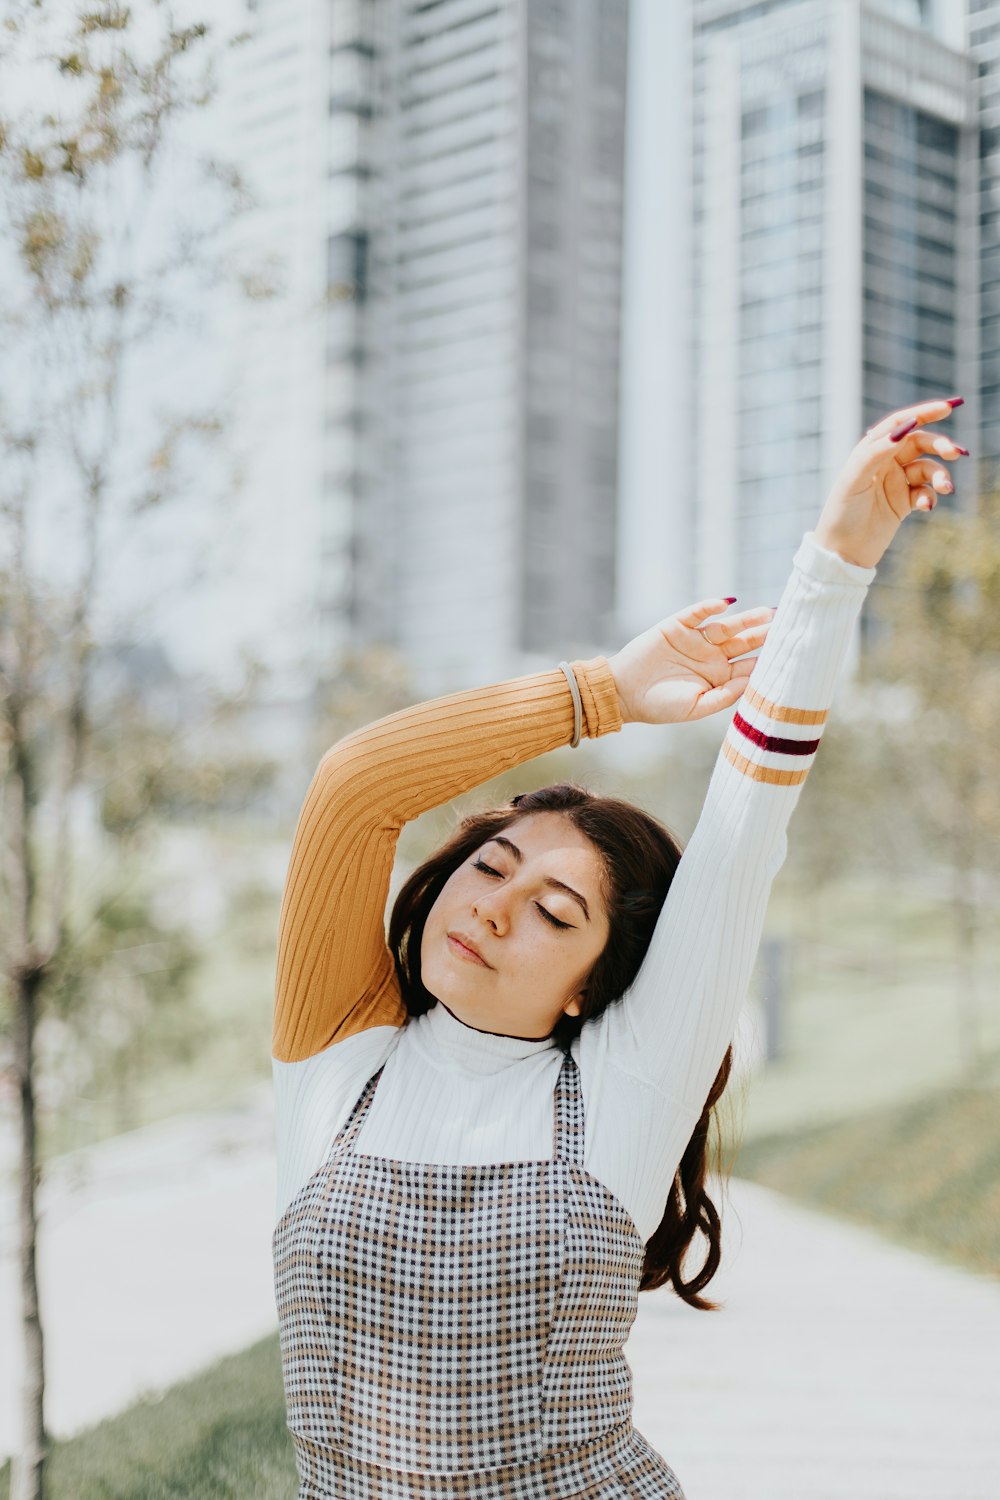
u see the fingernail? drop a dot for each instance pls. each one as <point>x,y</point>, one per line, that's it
<point>731,600</point>
<point>902,430</point>
<point>773,608</point>
<point>964,451</point>
<point>956,401</point>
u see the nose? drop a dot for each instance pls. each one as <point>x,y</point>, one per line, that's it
<point>491,908</point>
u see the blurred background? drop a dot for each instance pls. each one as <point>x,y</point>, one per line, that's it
<point>356,351</point>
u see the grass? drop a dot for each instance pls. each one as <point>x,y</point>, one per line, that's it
<point>876,1007</point>
<point>876,1109</point>
<point>220,1436</point>
<point>926,1173</point>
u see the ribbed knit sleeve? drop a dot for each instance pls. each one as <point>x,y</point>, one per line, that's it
<point>675,1023</point>
<point>335,974</point>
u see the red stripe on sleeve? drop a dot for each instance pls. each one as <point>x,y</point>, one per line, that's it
<point>773,741</point>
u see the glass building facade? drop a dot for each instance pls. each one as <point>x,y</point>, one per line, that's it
<point>485,538</point>
<point>834,270</point>
<point>780,337</point>
<point>575,111</point>
<point>911,255</point>
<point>983,23</point>
<point>443,182</point>
<point>347,574</point>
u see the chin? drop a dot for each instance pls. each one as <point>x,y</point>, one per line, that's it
<point>438,984</point>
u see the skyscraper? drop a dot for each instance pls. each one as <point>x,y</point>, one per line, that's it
<point>273,108</point>
<point>983,37</point>
<point>458,166</point>
<point>845,158</point>
<point>833,263</point>
<point>799,213</point>
<point>484,522</point>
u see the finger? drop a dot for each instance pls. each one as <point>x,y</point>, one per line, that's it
<point>919,414</point>
<point>921,441</point>
<point>927,471</point>
<point>717,698</point>
<point>695,613</point>
<point>747,640</point>
<point>922,499</point>
<point>746,617</point>
<point>718,632</point>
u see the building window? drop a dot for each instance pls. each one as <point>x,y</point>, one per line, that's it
<point>347,265</point>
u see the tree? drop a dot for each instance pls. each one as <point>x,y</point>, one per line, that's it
<point>109,218</point>
<point>112,1000</point>
<point>939,645</point>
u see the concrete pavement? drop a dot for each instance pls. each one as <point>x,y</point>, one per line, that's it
<point>840,1367</point>
<point>154,1260</point>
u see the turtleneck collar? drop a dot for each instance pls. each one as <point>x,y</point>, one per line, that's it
<point>445,1039</point>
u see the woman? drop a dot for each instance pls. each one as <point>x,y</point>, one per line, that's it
<point>491,1131</point>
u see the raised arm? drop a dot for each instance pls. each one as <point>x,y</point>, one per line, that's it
<point>335,974</point>
<point>679,1016</point>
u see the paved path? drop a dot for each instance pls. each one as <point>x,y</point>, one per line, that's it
<point>840,1367</point>
<point>154,1259</point>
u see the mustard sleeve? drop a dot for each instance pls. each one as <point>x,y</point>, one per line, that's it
<point>335,973</point>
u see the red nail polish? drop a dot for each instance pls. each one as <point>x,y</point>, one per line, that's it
<point>732,600</point>
<point>964,451</point>
<point>956,401</point>
<point>901,431</point>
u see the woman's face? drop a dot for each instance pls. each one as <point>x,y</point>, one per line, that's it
<point>505,900</point>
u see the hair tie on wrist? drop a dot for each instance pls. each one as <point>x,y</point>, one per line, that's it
<point>574,688</point>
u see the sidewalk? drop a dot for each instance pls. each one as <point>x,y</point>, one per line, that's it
<point>154,1260</point>
<point>840,1367</point>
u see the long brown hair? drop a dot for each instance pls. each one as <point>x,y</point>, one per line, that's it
<point>639,858</point>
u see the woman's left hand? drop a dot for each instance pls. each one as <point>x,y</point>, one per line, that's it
<point>684,668</point>
<point>884,480</point>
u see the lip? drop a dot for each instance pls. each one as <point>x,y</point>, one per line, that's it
<point>467,949</point>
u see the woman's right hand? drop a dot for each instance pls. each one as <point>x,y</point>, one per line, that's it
<point>688,666</point>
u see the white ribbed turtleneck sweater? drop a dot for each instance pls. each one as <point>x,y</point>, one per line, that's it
<point>452,1094</point>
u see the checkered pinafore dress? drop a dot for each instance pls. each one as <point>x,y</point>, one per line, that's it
<point>457,1331</point>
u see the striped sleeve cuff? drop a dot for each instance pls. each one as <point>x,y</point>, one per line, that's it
<point>772,742</point>
<point>775,731</point>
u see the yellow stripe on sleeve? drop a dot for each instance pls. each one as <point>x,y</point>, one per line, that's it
<point>763,773</point>
<point>782,714</point>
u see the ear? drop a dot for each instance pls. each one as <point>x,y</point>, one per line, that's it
<point>573,1007</point>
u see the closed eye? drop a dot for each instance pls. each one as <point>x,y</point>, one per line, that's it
<point>480,864</point>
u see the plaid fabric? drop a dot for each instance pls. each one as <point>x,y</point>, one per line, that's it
<point>618,1465</point>
<point>462,1326</point>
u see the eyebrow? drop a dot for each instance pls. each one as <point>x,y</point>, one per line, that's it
<point>556,885</point>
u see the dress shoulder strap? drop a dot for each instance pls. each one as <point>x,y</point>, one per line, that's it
<point>345,1136</point>
<point>568,1123</point>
